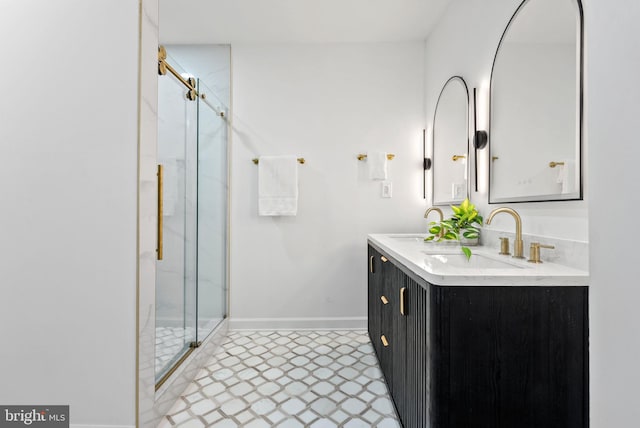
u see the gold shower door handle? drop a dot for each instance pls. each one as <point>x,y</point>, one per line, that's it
<point>160,213</point>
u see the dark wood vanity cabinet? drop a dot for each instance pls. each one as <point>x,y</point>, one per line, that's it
<point>398,335</point>
<point>384,322</point>
<point>485,357</point>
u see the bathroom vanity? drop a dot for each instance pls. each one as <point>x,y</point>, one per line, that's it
<point>493,342</point>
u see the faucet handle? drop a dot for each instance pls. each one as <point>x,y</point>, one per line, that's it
<point>504,246</point>
<point>534,251</point>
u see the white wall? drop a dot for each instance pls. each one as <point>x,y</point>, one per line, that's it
<point>326,103</point>
<point>613,109</point>
<point>464,43</point>
<point>68,184</point>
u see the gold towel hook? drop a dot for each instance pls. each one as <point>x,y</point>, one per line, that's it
<point>457,157</point>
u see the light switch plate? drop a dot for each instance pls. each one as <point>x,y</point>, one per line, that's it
<point>386,189</point>
<point>457,190</point>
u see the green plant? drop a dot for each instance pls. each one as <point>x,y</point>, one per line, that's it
<point>465,222</point>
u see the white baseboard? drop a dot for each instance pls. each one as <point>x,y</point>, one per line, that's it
<point>346,323</point>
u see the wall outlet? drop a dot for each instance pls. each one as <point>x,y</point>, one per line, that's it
<point>386,189</point>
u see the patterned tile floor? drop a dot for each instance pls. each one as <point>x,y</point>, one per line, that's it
<point>295,379</point>
<point>171,342</point>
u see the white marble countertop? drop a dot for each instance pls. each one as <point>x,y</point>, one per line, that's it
<point>444,264</point>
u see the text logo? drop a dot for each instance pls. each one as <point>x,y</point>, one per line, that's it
<point>34,416</point>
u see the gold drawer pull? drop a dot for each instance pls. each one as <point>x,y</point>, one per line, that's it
<point>384,300</point>
<point>371,264</point>
<point>384,341</point>
<point>403,292</point>
<point>384,259</point>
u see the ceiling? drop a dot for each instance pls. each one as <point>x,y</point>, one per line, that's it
<point>297,21</point>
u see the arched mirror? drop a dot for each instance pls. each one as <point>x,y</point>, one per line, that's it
<point>536,105</point>
<point>451,143</point>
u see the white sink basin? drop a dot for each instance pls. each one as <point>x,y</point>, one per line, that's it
<point>460,261</point>
<point>431,246</point>
<point>408,237</point>
<point>442,248</point>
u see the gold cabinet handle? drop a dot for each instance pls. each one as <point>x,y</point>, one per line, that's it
<point>384,259</point>
<point>160,209</point>
<point>385,301</point>
<point>371,264</point>
<point>403,292</point>
<point>384,341</point>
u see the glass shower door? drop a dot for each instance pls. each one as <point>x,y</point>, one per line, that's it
<point>191,277</point>
<point>212,214</point>
<point>176,272</point>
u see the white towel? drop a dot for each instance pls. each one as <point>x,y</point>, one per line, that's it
<point>464,167</point>
<point>377,162</point>
<point>567,176</point>
<point>278,185</point>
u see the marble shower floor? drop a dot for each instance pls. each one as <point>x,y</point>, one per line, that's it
<point>318,379</point>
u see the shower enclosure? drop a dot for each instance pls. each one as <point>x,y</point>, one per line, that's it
<point>191,270</point>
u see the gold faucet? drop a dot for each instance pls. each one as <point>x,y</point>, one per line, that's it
<point>439,211</point>
<point>436,209</point>
<point>535,251</point>
<point>518,244</point>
